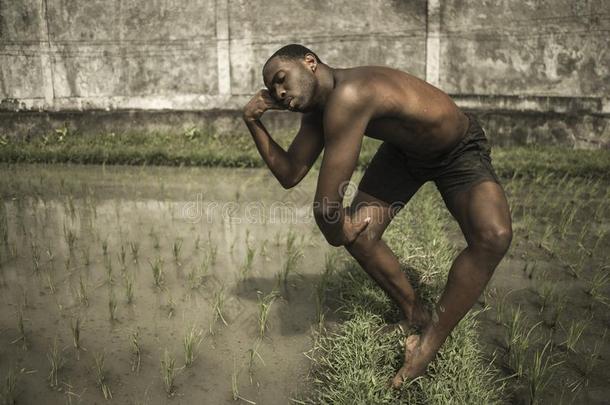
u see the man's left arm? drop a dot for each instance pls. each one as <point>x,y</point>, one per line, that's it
<point>345,121</point>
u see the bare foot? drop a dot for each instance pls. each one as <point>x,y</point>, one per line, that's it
<point>403,326</point>
<point>416,361</point>
<point>421,319</point>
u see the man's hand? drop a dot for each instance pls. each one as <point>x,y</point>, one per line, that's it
<point>348,230</point>
<point>352,227</point>
<point>261,102</point>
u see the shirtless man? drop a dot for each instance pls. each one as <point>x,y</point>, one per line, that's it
<point>426,137</point>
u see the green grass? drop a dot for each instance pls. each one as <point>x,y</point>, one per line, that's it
<point>353,363</point>
<point>178,149</point>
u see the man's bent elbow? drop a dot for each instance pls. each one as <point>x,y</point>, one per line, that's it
<point>323,219</point>
<point>288,184</point>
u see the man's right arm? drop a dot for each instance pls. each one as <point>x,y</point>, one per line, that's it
<point>289,167</point>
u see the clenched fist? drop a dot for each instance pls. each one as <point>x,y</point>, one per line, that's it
<point>261,102</point>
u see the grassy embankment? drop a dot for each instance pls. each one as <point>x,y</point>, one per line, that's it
<point>195,148</point>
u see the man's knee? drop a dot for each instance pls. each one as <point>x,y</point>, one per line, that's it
<point>364,244</point>
<point>495,240</point>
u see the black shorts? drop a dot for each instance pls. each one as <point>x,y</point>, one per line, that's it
<point>395,178</point>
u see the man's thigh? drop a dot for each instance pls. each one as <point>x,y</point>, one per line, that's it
<point>388,179</point>
<point>482,211</point>
<point>381,213</point>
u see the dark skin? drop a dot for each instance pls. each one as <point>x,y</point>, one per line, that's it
<point>339,107</point>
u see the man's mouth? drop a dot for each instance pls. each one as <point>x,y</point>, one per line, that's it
<point>288,101</point>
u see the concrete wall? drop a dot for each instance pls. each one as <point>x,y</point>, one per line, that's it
<point>508,58</point>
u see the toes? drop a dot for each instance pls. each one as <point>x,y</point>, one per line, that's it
<point>398,379</point>
<point>411,343</point>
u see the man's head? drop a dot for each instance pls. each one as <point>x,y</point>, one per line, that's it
<point>289,74</point>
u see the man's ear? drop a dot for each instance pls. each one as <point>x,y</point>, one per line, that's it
<point>311,62</point>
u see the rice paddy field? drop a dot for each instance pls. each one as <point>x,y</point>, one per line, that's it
<point>140,284</point>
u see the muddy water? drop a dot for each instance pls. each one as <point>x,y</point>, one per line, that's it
<point>77,218</point>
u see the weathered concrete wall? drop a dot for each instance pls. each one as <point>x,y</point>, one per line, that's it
<point>508,59</point>
<point>185,54</point>
<point>535,47</point>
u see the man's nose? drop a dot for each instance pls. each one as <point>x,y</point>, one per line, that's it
<point>281,93</point>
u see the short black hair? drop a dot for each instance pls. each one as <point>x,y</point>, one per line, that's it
<point>292,51</point>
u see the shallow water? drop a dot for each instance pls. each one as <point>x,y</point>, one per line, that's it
<point>198,210</point>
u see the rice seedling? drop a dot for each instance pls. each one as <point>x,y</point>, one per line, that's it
<point>176,249</point>
<point>598,284</point>
<point>212,249</point>
<point>171,307</point>
<point>112,306</point>
<point>263,250</point>
<point>108,266</point>
<point>191,342</point>
<point>590,360</point>
<point>86,256</point>
<point>81,293</point>
<point>105,247</point>
<point>264,305</point>
<point>600,236</point>
<point>546,293</point>
<point>235,385</point>
<point>500,306</point>
<point>247,265</point>
<point>56,363</point>
<point>156,243</point>
<point>556,310</point>
<point>75,327</point>
<point>529,269</point>
<point>232,247</point>
<point>566,218</point>
<point>583,231</point>
<point>68,391</point>
<point>217,307</point>
<point>24,298</point>
<point>168,372</point>
<point>50,254</point>
<point>50,282</point>
<point>68,264</point>
<point>70,238</point>
<point>129,289</point>
<point>292,258</point>
<point>539,373</point>
<point>252,355</point>
<point>134,247</point>
<point>35,256</point>
<point>197,243</point>
<point>136,351</point>
<point>22,334</point>
<point>121,256</point>
<point>574,333</point>
<point>157,270</point>
<point>518,341</point>
<point>100,375</point>
<point>8,388</point>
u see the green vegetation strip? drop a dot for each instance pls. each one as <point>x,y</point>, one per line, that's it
<point>352,363</point>
<point>194,148</point>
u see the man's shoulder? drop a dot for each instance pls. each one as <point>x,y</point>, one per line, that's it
<point>351,93</point>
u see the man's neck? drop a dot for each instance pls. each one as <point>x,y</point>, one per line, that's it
<point>327,80</point>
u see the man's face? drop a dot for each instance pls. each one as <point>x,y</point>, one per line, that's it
<point>292,82</point>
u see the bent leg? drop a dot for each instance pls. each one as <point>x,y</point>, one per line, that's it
<point>378,260</point>
<point>484,218</point>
